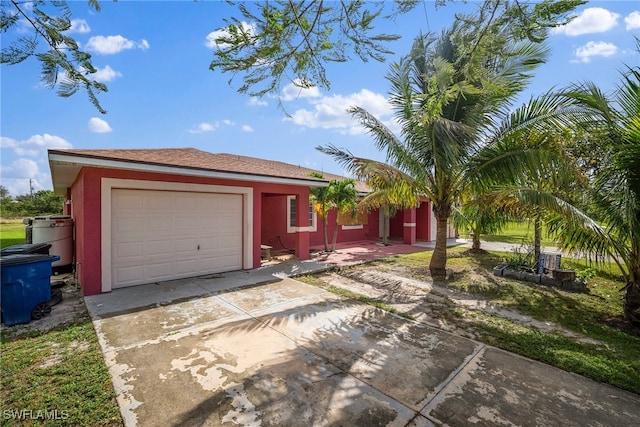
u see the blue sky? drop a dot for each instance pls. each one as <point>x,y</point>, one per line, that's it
<point>155,56</point>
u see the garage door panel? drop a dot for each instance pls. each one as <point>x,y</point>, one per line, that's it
<point>217,265</point>
<point>128,249</point>
<point>184,223</point>
<point>209,243</point>
<point>159,271</point>
<point>127,201</point>
<point>156,235</point>
<point>226,241</point>
<point>187,199</point>
<point>158,201</point>
<point>186,245</point>
<point>158,224</point>
<point>126,224</point>
<point>185,268</point>
<point>160,247</point>
<point>130,274</point>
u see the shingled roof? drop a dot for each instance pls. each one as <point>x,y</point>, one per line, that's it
<point>194,159</point>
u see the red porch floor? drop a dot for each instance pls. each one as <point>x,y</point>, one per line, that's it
<point>361,251</point>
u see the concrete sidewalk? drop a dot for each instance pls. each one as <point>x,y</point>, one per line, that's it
<point>258,348</point>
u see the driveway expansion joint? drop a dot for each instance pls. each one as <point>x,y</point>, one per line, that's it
<point>439,393</point>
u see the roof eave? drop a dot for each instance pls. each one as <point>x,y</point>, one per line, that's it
<point>73,163</point>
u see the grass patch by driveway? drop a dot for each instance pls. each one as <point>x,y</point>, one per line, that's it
<point>606,351</point>
<point>56,378</point>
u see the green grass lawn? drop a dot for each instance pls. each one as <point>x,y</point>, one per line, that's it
<point>59,378</point>
<point>12,232</point>
<point>518,233</point>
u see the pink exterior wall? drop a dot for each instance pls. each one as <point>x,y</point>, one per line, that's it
<point>86,208</point>
<point>367,232</point>
<point>423,216</point>
<point>396,227</point>
<point>274,223</point>
<point>422,220</point>
<point>274,226</point>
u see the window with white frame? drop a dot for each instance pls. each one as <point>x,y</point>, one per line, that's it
<point>291,216</point>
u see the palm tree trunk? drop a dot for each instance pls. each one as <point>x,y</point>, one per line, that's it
<point>438,264</point>
<point>475,245</point>
<point>537,238</point>
<point>632,304</point>
<point>335,235</point>
<point>324,227</point>
<point>385,224</point>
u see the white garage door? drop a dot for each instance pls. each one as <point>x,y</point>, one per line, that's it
<point>163,235</point>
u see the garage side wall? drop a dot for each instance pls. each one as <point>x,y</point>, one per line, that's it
<point>85,208</point>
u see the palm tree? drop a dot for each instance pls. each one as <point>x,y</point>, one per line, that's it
<point>342,196</point>
<point>615,119</point>
<point>452,97</point>
<point>479,217</point>
<point>322,204</point>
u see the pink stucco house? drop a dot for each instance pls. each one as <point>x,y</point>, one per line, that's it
<point>148,215</point>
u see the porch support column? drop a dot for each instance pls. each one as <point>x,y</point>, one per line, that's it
<point>409,228</point>
<point>302,225</point>
<point>257,228</point>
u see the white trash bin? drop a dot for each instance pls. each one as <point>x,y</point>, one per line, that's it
<point>57,230</point>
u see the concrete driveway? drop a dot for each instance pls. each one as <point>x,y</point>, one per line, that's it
<point>200,352</point>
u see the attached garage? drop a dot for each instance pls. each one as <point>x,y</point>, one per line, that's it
<point>163,235</point>
<point>144,216</point>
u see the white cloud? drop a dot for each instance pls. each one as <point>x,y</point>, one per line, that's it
<point>106,74</point>
<point>21,174</point>
<point>6,142</point>
<point>329,112</point>
<point>633,20</point>
<point>247,128</point>
<point>46,141</point>
<point>114,44</point>
<point>591,20</point>
<point>32,154</point>
<point>254,101</point>
<point>203,127</point>
<point>79,26</point>
<point>222,32</point>
<point>591,49</point>
<point>98,125</point>
<point>294,91</point>
<point>22,168</point>
<point>210,127</point>
<point>35,146</point>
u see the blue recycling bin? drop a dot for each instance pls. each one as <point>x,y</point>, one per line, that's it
<point>26,287</point>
